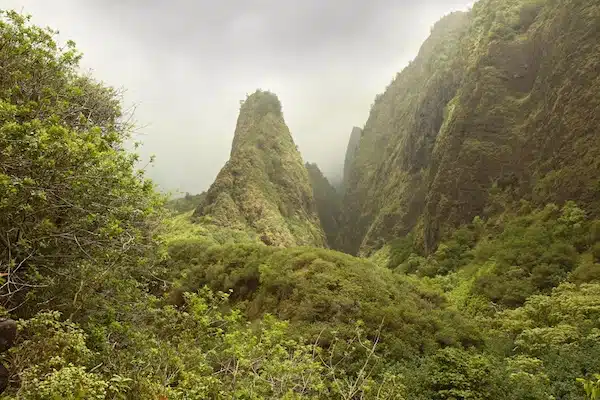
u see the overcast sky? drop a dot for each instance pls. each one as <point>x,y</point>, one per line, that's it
<point>186,64</point>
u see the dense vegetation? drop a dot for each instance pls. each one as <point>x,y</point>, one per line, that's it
<point>264,187</point>
<point>386,182</point>
<point>119,294</point>
<point>188,202</point>
<point>506,94</point>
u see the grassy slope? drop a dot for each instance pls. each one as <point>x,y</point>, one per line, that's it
<point>321,291</point>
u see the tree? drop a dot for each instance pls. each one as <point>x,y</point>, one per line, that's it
<point>74,211</point>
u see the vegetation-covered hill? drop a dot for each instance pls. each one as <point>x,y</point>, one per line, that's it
<point>264,186</point>
<point>505,309</point>
<point>505,96</point>
<point>118,294</point>
<point>385,185</point>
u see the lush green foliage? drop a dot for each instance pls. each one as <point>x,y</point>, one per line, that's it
<point>75,215</point>
<point>509,273</point>
<point>592,387</point>
<point>504,95</point>
<point>194,352</point>
<point>116,301</point>
<point>507,259</point>
<point>264,186</point>
<point>320,291</point>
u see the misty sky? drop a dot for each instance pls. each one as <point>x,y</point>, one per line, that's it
<point>186,65</point>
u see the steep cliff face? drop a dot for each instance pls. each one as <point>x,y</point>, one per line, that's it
<point>385,189</point>
<point>527,117</point>
<point>506,97</point>
<point>328,202</point>
<point>264,187</point>
<point>353,144</point>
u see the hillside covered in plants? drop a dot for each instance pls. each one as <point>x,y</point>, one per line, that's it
<point>264,186</point>
<point>470,196</point>
<point>503,97</point>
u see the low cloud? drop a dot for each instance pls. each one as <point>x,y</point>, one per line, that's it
<point>187,64</point>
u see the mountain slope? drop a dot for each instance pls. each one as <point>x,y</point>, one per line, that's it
<point>526,118</point>
<point>385,184</point>
<point>264,186</point>
<point>505,97</point>
<point>328,203</point>
<point>351,149</point>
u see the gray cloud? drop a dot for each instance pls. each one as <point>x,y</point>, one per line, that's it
<point>186,64</point>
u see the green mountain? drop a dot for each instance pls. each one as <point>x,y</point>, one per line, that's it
<point>472,189</point>
<point>264,187</point>
<point>502,98</point>
<point>385,184</point>
<point>328,202</point>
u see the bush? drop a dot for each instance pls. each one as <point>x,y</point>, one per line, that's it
<point>72,204</point>
<point>69,383</point>
<point>322,290</point>
<point>459,374</point>
<point>587,271</point>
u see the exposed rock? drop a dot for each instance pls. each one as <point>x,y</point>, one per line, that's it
<point>351,149</point>
<point>8,333</point>
<point>328,203</point>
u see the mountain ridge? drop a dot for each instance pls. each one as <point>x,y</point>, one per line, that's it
<point>478,109</point>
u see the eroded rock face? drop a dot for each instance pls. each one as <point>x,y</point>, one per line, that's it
<point>264,187</point>
<point>526,118</point>
<point>328,203</point>
<point>351,150</point>
<point>504,96</point>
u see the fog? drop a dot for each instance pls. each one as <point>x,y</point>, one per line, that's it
<point>187,64</point>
